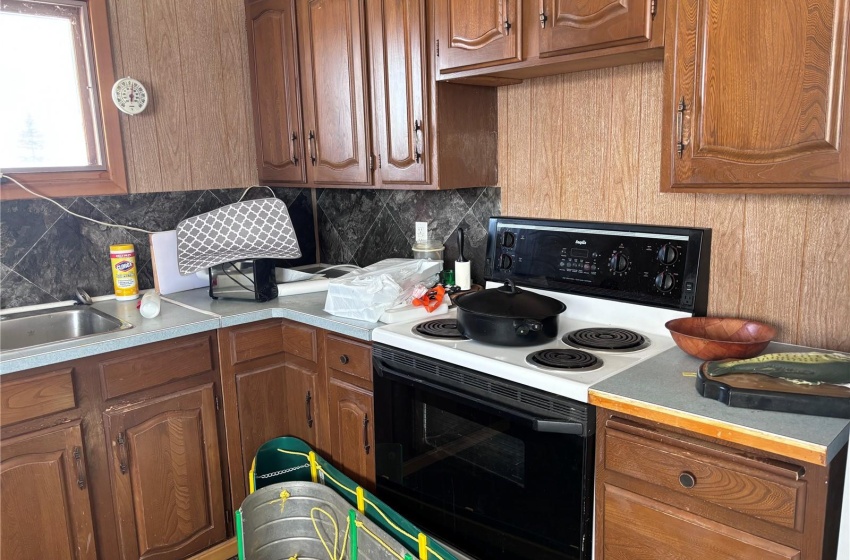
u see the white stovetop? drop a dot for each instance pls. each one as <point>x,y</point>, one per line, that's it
<point>510,362</point>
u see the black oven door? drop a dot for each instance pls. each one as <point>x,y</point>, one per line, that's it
<point>496,481</point>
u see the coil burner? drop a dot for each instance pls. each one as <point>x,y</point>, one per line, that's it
<point>572,360</point>
<point>439,328</point>
<point>604,338</point>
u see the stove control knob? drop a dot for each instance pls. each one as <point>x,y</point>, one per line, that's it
<point>665,281</point>
<point>508,239</point>
<point>505,262</point>
<point>619,262</point>
<point>668,254</point>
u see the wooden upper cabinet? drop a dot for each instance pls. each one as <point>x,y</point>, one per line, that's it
<point>166,475</point>
<point>276,93</point>
<point>333,70</point>
<point>46,510</point>
<point>399,89</point>
<point>477,33</point>
<point>569,26</point>
<point>757,97</point>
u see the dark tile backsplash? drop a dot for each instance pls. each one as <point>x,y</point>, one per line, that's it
<point>46,253</point>
<point>365,226</point>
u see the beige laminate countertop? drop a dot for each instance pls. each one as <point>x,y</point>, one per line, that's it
<point>657,390</point>
<point>181,314</point>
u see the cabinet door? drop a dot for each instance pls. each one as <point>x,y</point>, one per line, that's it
<point>581,25</point>
<point>353,436</point>
<point>757,97</point>
<point>303,403</point>
<point>261,416</point>
<point>331,39</point>
<point>45,511</point>
<point>276,94</point>
<point>166,475</point>
<point>477,33</point>
<point>638,527</point>
<point>396,44</point>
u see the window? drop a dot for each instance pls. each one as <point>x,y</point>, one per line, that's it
<point>60,132</point>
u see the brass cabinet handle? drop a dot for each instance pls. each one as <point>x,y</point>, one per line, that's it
<point>307,402</point>
<point>294,139</point>
<point>680,126</point>
<point>366,446</point>
<point>543,17</point>
<point>81,474</point>
<point>122,452</point>
<point>312,139</point>
<point>507,22</point>
<point>343,359</point>
<point>687,480</point>
<point>417,150</point>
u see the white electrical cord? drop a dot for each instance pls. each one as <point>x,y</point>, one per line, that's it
<point>4,176</point>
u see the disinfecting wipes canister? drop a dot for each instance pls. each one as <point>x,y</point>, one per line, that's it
<point>123,259</point>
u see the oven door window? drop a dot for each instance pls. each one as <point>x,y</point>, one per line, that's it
<point>480,477</point>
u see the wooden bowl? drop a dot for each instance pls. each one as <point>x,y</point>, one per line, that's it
<point>717,338</point>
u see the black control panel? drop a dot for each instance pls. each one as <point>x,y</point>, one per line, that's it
<point>652,265</point>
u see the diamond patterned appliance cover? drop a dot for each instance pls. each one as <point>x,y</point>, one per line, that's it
<point>252,229</point>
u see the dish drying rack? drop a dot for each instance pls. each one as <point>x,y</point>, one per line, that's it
<point>302,507</point>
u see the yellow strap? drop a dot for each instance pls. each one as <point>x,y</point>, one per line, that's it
<point>423,547</point>
<point>314,476</point>
<point>361,500</point>
<point>251,484</point>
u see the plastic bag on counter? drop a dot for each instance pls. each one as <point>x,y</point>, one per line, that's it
<point>365,294</point>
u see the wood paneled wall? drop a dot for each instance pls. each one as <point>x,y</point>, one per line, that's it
<point>191,55</point>
<point>587,146</point>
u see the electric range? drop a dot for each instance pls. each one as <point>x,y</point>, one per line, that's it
<point>491,448</point>
<point>620,283</point>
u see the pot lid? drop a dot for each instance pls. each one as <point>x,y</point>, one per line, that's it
<point>510,301</point>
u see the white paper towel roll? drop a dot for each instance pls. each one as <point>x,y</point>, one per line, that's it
<point>463,276</point>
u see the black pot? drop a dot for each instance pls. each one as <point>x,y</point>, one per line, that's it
<point>508,316</point>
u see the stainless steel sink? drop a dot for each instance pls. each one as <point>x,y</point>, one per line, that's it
<point>34,328</point>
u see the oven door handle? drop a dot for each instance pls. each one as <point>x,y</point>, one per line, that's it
<point>543,425</point>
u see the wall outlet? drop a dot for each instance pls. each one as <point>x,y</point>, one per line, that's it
<point>421,232</point>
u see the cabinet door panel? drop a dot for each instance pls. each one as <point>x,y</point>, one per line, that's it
<point>166,475</point>
<point>761,110</point>
<point>276,91</point>
<point>331,36</point>
<point>581,25</point>
<point>396,40</point>
<point>261,416</point>
<point>44,511</point>
<point>638,527</point>
<point>351,416</point>
<point>477,33</point>
<point>303,403</point>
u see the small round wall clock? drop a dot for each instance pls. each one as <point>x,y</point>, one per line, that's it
<point>130,96</point>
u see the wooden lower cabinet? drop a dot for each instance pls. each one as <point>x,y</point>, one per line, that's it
<point>166,475</point>
<point>271,387</point>
<point>352,444</point>
<point>667,493</point>
<point>640,527</point>
<point>45,509</point>
<point>114,455</point>
<point>284,378</point>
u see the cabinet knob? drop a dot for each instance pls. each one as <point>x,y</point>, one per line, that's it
<point>688,480</point>
<point>343,359</point>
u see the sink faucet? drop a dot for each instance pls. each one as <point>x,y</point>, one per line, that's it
<point>82,297</point>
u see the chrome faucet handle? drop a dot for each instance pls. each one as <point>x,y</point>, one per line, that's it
<point>82,297</point>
